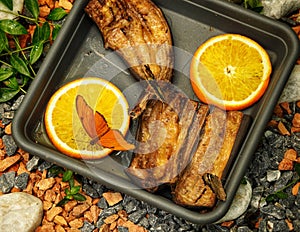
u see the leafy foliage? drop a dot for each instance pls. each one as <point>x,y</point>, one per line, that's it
<point>254,5</point>
<point>73,191</point>
<point>18,64</point>
<point>280,194</point>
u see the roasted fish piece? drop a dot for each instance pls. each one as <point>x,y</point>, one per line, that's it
<point>138,31</point>
<point>166,137</point>
<point>197,186</point>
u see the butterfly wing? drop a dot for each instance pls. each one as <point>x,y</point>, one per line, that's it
<point>114,139</point>
<point>86,116</point>
<point>97,128</point>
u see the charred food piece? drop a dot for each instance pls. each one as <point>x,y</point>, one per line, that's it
<point>138,31</point>
<point>200,183</point>
<point>167,136</point>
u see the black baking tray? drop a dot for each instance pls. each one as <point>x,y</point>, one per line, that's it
<point>78,52</point>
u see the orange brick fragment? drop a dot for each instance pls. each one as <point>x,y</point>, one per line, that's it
<point>80,209</point>
<point>44,11</point>
<point>112,198</point>
<point>278,111</point>
<point>60,220</point>
<point>296,120</point>
<point>76,223</point>
<point>286,107</point>
<point>53,212</point>
<point>8,162</point>
<point>45,184</point>
<point>295,189</point>
<point>228,224</point>
<point>286,165</point>
<point>7,129</point>
<point>59,228</point>
<point>291,154</point>
<point>110,219</point>
<point>282,129</point>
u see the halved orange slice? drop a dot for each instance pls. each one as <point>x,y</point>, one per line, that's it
<point>230,71</point>
<point>63,124</point>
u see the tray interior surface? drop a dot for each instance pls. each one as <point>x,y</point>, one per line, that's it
<point>191,24</point>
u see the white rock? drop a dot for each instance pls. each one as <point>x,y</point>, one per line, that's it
<point>20,212</point>
<point>279,8</point>
<point>239,204</point>
<point>17,7</point>
<point>291,91</point>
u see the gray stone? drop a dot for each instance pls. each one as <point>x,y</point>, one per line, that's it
<point>9,144</point>
<point>17,103</point>
<point>279,8</point>
<point>240,203</point>
<point>273,175</point>
<point>20,212</point>
<point>7,181</point>
<point>32,163</point>
<point>275,211</point>
<point>291,92</point>
<point>21,180</point>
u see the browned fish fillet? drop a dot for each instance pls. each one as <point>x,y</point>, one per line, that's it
<point>167,136</point>
<point>138,31</point>
<point>209,161</point>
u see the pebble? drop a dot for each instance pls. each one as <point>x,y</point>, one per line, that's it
<point>7,181</point>
<point>9,144</point>
<point>32,163</point>
<point>20,212</point>
<point>273,175</point>
<point>21,180</point>
<point>240,202</point>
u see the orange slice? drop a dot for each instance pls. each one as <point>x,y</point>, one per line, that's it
<point>64,127</point>
<point>230,71</point>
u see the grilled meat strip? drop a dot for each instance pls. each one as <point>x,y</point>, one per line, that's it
<point>138,31</point>
<point>168,133</point>
<point>196,185</point>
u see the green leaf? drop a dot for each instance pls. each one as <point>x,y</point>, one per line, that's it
<point>57,14</point>
<point>68,192</point>
<point>67,175</point>
<point>297,168</point>
<point>63,202</point>
<point>79,197</point>
<point>3,41</point>
<point>36,38</point>
<point>55,31</point>
<point>33,7</point>
<point>45,31</point>
<point>25,80</point>
<point>271,197</point>
<point>5,73</point>
<point>12,83</point>
<point>55,170</point>
<point>36,52</point>
<point>7,3</point>
<point>74,190</point>
<point>71,182</point>
<point>12,27</point>
<point>6,94</point>
<point>281,195</point>
<point>19,65</point>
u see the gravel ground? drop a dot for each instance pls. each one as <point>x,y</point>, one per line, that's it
<point>273,174</point>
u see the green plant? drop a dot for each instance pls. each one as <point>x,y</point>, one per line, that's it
<point>73,191</point>
<point>17,64</point>
<point>280,194</point>
<point>254,5</point>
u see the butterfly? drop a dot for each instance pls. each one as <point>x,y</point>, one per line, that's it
<point>97,128</point>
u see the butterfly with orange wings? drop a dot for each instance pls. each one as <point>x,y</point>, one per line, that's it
<point>98,130</point>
